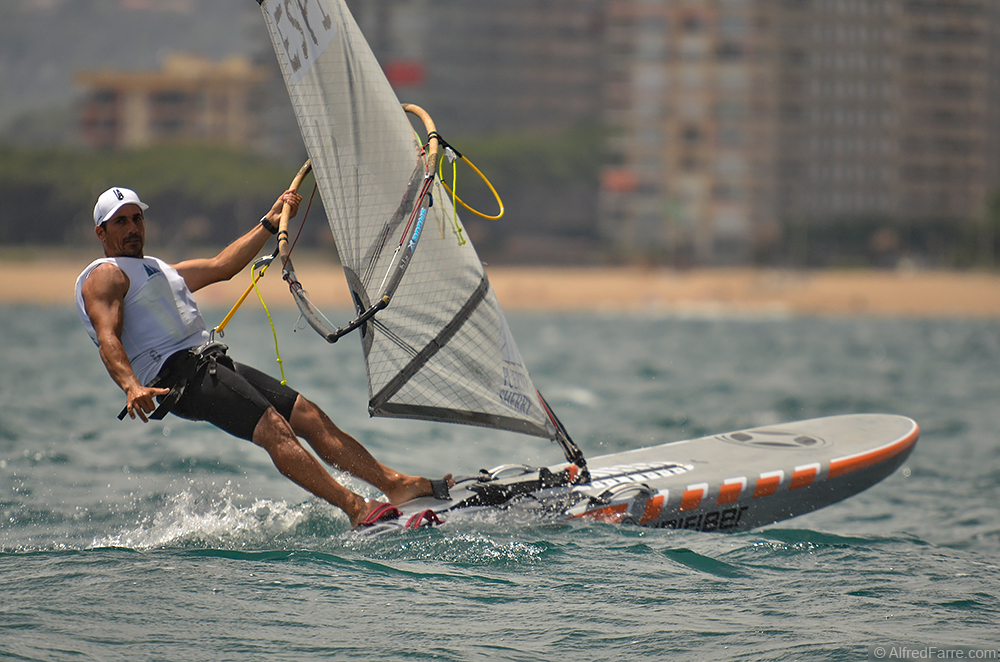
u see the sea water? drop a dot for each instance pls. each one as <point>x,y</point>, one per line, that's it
<point>172,541</point>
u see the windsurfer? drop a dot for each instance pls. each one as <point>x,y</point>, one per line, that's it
<point>142,316</point>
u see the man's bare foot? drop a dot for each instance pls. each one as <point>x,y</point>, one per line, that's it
<point>413,487</point>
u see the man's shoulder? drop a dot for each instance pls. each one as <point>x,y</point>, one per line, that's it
<point>103,272</point>
<point>102,285</point>
<point>93,266</point>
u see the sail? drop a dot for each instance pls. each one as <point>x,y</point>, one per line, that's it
<point>441,350</point>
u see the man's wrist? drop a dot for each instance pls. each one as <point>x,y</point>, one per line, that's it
<point>268,225</point>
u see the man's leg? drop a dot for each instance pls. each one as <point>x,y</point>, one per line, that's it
<point>229,400</point>
<point>343,451</point>
<point>275,435</point>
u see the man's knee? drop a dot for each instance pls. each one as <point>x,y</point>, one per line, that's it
<point>306,407</point>
<point>272,429</point>
<point>305,415</point>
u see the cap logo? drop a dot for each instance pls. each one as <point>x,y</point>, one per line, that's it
<point>119,195</point>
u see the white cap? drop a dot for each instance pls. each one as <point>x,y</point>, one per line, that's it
<point>114,199</point>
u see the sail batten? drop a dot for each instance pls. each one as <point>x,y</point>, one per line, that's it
<point>440,349</point>
<point>475,418</point>
<point>433,347</point>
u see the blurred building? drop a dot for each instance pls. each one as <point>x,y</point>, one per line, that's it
<point>948,86</point>
<point>887,110</point>
<point>691,171</point>
<point>743,119</point>
<point>189,100</point>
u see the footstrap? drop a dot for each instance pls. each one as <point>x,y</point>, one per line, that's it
<point>383,513</point>
<point>439,487</point>
<point>424,518</point>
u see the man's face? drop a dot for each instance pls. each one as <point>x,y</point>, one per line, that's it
<point>124,234</point>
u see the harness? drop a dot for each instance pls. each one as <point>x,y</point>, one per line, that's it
<point>178,372</point>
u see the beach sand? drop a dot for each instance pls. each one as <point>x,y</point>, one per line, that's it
<point>47,278</point>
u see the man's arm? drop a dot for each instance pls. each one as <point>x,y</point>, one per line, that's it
<point>201,272</point>
<point>104,300</point>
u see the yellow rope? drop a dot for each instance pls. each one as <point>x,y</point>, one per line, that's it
<point>220,329</point>
<point>274,333</point>
<point>455,227</point>
<point>481,176</point>
<point>222,325</point>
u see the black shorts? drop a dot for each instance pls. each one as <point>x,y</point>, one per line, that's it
<point>234,398</point>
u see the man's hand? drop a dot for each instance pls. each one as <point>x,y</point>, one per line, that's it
<point>292,198</point>
<point>140,400</point>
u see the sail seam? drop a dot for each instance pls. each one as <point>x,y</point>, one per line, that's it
<point>432,348</point>
<point>394,337</point>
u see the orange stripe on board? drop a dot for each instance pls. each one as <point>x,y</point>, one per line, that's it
<point>804,475</point>
<point>731,490</point>
<point>845,465</point>
<point>607,514</point>
<point>768,483</point>
<point>654,507</point>
<point>693,496</point>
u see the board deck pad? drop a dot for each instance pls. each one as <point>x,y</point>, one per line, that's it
<point>733,481</point>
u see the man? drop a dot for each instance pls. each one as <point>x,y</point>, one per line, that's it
<point>151,336</point>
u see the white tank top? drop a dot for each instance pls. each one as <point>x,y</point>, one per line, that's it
<point>160,317</point>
